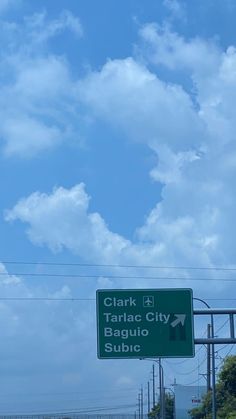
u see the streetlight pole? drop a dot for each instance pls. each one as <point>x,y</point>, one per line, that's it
<point>161,385</point>
<point>208,359</point>
<point>139,406</point>
<point>148,397</point>
<point>142,402</point>
<point>162,390</point>
<point>153,386</point>
<point>213,362</point>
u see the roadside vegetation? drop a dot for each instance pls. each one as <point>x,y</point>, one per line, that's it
<point>225,394</point>
<point>169,408</point>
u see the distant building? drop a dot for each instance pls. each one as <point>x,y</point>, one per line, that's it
<point>186,398</point>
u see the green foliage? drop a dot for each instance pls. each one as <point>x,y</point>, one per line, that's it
<point>227,376</point>
<point>225,394</point>
<point>169,408</point>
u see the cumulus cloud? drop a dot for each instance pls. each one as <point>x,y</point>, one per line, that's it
<point>69,208</point>
<point>172,235</point>
<point>37,107</point>
<point>34,109</point>
<point>163,46</point>
<point>26,136</point>
<point>190,132</point>
<point>127,95</point>
<point>212,71</point>
<point>192,136</point>
<point>39,29</point>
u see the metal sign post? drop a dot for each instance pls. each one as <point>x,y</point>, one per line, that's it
<point>214,340</point>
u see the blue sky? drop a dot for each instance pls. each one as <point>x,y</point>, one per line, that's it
<point>117,146</point>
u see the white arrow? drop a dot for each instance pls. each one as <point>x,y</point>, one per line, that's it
<point>180,318</point>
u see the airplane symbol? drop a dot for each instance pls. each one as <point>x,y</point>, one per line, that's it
<point>148,301</point>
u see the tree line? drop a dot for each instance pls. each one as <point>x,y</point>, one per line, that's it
<point>225,397</point>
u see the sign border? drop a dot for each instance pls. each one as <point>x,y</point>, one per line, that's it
<point>144,290</point>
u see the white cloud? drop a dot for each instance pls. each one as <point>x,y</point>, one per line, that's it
<point>70,209</point>
<point>37,107</point>
<point>185,233</point>
<point>170,165</point>
<point>39,29</point>
<point>216,97</point>
<point>176,9</point>
<point>194,145</point>
<point>212,71</point>
<point>166,47</point>
<point>25,136</point>
<point>130,97</point>
<point>194,222</point>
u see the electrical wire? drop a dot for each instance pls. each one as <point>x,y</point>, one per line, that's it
<point>74,411</point>
<point>185,360</point>
<point>193,382</point>
<point>221,299</point>
<point>69,393</point>
<point>221,349</point>
<point>230,350</point>
<point>228,353</point>
<point>121,399</point>
<point>44,299</point>
<point>209,268</point>
<point>190,372</point>
<point>52,275</point>
<point>199,349</point>
<point>221,327</point>
<point>60,299</point>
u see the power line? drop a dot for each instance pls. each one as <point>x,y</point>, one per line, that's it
<point>79,410</point>
<point>221,299</point>
<point>222,348</point>
<point>193,382</point>
<point>121,399</point>
<point>71,299</point>
<point>230,350</point>
<point>221,327</point>
<point>185,360</point>
<point>47,275</point>
<point>189,372</point>
<point>209,268</point>
<point>44,299</point>
<point>198,350</point>
<point>78,393</point>
<point>202,346</point>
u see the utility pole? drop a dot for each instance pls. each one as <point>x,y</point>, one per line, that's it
<point>142,402</point>
<point>153,386</point>
<point>139,406</point>
<point>148,397</point>
<point>208,359</point>
<point>162,390</point>
<point>213,371</point>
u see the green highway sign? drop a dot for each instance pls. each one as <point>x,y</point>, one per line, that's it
<point>145,323</point>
